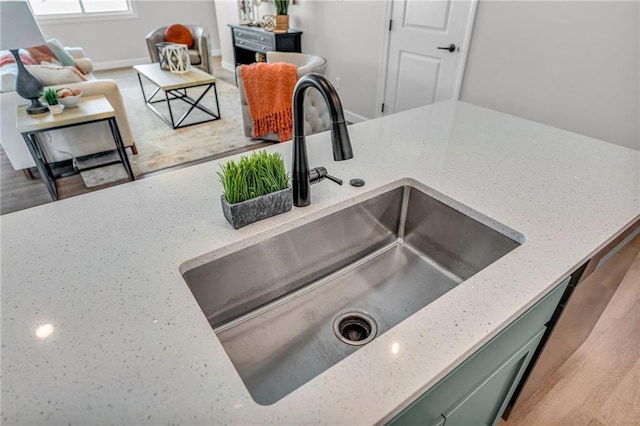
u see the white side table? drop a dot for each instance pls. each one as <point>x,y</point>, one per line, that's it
<point>90,109</point>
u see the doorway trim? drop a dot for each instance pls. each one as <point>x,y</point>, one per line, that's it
<point>384,57</point>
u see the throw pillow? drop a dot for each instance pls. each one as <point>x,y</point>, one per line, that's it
<point>179,34</point>
<point>52,74</point>
<point>58,50</point>
<point>6,57</point>
<point>42,53</point>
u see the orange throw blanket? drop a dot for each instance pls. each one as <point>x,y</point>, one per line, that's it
<point>269,91</point>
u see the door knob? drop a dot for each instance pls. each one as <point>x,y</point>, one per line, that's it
<point>450,48</point>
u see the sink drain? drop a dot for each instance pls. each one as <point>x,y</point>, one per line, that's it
<point>354,327</point>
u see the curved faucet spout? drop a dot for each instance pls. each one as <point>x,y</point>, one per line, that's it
<point>340,140</point>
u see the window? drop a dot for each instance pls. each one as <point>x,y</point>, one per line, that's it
<point>79,8</point>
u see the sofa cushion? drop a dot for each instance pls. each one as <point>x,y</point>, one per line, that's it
<point>42,53</point>
<point>179,34</point>
<point>52,74</point>
<point>194,57</point>
<point>6,57</point>
<point>8,74</point>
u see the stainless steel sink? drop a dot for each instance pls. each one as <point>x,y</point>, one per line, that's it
<point>288,308</point>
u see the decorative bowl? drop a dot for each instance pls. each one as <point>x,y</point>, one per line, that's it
<point>70,101</point>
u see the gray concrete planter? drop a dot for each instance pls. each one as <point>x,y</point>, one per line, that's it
<point>255,209</point>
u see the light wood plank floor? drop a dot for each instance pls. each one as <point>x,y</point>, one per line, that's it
<point>600,383</point>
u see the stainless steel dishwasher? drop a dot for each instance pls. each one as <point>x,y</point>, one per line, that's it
<point>580,308</point>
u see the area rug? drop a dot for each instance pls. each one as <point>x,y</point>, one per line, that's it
<point>160,146</point>
<point>104,175</point>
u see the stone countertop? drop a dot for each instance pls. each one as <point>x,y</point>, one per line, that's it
<point>129,344</point>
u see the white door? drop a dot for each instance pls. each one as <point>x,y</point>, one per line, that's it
<point>428,44</point>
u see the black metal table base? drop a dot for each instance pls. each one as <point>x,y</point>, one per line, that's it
<point>45,170</point>
<point>181,95</point>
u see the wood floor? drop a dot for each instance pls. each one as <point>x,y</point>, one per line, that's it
<point>17,192</point>
<point>600,383</point>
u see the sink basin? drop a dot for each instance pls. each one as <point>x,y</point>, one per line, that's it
<point>291,306</point>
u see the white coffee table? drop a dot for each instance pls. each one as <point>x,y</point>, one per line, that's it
<point>175,87</point>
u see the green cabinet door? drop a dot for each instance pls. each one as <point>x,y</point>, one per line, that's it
<point>484,404</point>
<point>477,391</point>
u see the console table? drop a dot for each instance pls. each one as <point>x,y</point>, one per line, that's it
<point>249,40</point>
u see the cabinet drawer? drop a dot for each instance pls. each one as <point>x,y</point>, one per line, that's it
<point>253,40</point>
<point>251,45</point>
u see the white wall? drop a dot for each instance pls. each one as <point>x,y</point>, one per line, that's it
<point>348,33</point>
<point>226,13</point>
<point>118,43</point>
<point>572,64</point>
<point>569,64</point>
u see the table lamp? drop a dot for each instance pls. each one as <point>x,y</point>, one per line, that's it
<point>19,29</point>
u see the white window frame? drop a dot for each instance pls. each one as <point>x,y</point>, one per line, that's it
<point>74,18</point>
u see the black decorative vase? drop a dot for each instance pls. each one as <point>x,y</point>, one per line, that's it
<point>29,86</point>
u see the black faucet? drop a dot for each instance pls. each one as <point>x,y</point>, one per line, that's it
<point>302,176</point>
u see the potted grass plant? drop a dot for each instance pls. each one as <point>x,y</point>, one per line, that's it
<point>255,188</point>
<point>50,96</point>
<point>282,16</point>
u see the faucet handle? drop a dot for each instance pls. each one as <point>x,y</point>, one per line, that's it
<point>318,173</point>
<point>334,179</point>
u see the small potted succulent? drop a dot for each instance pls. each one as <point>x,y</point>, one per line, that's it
<point>255,188</point>
<point>282,17</point>
<point>50,96</point>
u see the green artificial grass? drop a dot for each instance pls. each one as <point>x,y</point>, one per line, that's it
<point>282,6</point>
<point>253,176</point>
<point>49,95</point>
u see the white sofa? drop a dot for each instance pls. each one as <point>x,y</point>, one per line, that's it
<point>78,141</point>
<point>316,112</point>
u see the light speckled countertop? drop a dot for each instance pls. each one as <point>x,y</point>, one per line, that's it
<point>131,346</point>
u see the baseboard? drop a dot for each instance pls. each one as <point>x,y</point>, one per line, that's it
<point>99,66</point>
<point>352,117</point>
<point>228,66</point>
